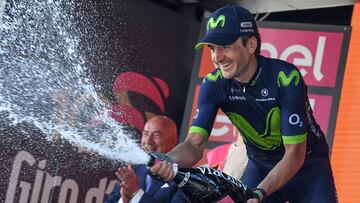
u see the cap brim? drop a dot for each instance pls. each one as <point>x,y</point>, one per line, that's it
<point>217,39</point>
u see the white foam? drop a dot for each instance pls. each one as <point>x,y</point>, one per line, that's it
<point>44,81</point>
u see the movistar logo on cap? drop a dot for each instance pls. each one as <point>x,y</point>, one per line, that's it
<point>212,24</point>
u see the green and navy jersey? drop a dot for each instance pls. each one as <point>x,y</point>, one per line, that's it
<point>271,110</point>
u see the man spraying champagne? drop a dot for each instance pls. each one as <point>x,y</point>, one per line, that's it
<point>266,100</point>
<point>204,184</point>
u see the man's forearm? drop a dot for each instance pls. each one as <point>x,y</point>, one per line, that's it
<point>185,154</point>
<point>280,175</point>
<point>284,170</point>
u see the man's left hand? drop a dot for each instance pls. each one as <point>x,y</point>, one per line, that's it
<point>128,181</point>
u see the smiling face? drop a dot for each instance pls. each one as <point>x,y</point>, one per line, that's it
<point>236,60</point>
<point>159,135</point>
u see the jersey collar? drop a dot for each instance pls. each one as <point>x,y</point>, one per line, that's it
<point>256,76</point>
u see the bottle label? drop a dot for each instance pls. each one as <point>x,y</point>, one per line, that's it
<point>206,170</point>
<point>226,199</point>
<point>185,180</point>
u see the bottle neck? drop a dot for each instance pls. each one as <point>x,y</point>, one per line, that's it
<point>175,168</point>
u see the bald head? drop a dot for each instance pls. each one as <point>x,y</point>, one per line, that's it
<point>159,134</point>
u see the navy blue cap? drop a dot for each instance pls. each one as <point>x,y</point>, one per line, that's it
<point>226,25</point>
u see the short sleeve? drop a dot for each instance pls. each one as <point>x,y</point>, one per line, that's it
<point>293,106</point>
<point>206,109</point>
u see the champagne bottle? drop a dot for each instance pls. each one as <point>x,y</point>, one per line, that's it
<point>204,184</point>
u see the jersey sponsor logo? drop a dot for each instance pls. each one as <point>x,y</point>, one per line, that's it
<point>311,121</point>
<point>212,24</point>
<point>196,114</point>
<point>266,99</point>
<point>285,80</point>
<point>235,91</point>
<point>270,139</point>
<point>264,92</point>
<point>213,76</point>
<point>233,98</point>
<point>294,119</point>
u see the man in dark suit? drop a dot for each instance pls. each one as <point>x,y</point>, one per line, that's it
<point>135,185</point>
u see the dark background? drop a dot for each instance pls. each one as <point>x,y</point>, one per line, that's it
<point>332,15</point>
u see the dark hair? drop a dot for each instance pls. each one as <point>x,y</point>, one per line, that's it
<point>245,39</point>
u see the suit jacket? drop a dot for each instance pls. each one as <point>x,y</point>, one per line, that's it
<point>159,192</point>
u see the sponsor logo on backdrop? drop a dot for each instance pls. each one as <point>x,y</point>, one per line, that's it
<point>39,190</point>
<point>223,129</point>
<point>123,110</point>
<point>316,54</point>
<point>154,89</point>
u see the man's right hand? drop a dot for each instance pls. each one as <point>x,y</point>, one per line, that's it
<point>185,154</point>
<point>124,196</point>
<point>164,170</point>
